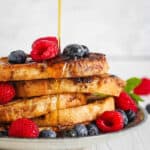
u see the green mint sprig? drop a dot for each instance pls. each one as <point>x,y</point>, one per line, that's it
<point>130,85</point>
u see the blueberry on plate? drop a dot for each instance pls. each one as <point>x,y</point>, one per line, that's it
<point>131,115</point>
<point>148,108</point>
<point>75,51</point>
<point>81,130</point>
<point>3,133</point>
<point>48,134</point>
<point>124,115</point>
<point>92,129</point>
<point>17,57</point>
<point>70,133</point>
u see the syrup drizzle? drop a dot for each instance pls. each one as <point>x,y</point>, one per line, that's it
<point>64,67</point>
<point>59,23</point>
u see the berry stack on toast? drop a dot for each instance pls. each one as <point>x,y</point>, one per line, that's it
<point>49,93</point>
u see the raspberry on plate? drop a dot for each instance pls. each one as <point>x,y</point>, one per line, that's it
<point>23,128</point>
<point>143,88</point>
<point>110,121</point>
<point>44,49</point>
<point>7,93</point>
<point>125,102</point>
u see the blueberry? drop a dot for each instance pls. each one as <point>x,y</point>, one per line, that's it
<point>92,129</point>
<point>70,133</point>
<point>17,57</point>
<point>148,108</point>
<point>81,130</point>
<point>48,134</point>
<point>75,51</point>
<point>125,118</point>
<point>131,115</point>
<point>86,50</point>
<point>3,133</point>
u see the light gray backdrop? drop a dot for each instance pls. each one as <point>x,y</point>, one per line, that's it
<point>114,27</point>
<point>119,28</point>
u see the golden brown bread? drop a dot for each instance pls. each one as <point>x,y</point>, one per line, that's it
<point>58,67</point>
<point>104,84</point>
<point>71,116</point>
<point>35,107</point>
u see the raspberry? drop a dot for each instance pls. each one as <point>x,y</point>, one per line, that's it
<point>52,39</point>
<point>143,88</point>
<point>125,102</point>
<point>44,49</point>
<point>110,121</point>
<point>23,128</point>
<point>7,93</point>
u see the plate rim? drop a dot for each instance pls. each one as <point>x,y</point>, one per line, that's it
<point>77,139</point>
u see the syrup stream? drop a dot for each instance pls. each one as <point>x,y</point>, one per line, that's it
<point>59,23</point>
<point>59,46</point>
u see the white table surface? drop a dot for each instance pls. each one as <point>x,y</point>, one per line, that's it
<point>138,139</point>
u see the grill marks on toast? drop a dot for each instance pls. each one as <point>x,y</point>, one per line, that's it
<point>104,84</point>
<point>94,64</point>
<point>76,115</point>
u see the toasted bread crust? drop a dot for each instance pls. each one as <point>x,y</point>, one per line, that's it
<point>104,84</point>
<point>59,67</point>
<point>71,116</point>
<point>35,107</point>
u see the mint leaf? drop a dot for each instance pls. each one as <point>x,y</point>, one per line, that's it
<point>132,83</point>
<point>136,98</point>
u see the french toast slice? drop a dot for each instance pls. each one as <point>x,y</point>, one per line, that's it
<point>35,107</point>
<point>71,116</point>
<point>58,67</point>
<point>104,84</point>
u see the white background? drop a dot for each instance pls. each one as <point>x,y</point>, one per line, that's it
<point>114,27</point>
<point>118,28</point>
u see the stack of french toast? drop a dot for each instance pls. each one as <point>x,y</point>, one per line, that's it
<point>60,92</point>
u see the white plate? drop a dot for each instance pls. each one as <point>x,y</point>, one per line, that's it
<point>68,143</point>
